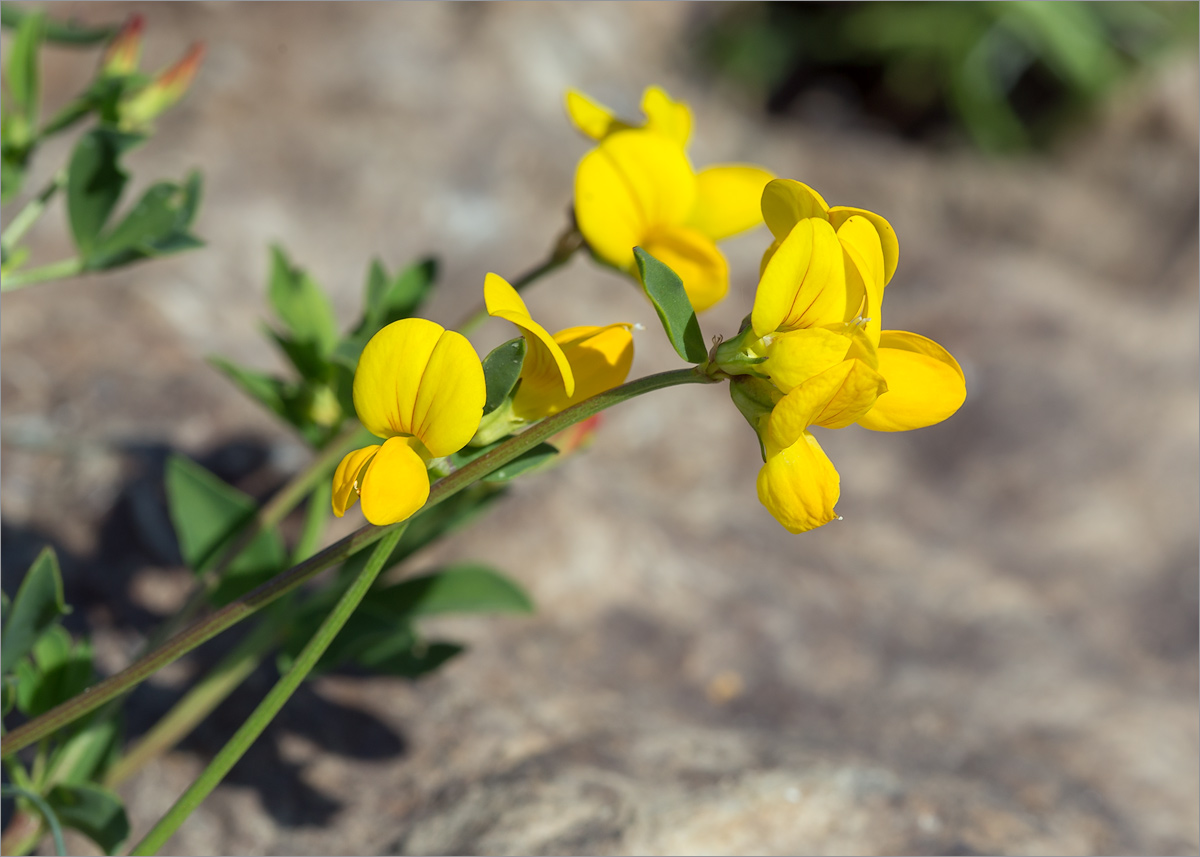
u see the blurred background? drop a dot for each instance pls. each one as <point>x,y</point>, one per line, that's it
<point>995,651</point>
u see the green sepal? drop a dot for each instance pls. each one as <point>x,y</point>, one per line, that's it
<point>38,605</point>
<point>665,290</point>
<point>207,515</point>
<point>94,811</point>
<point>502,370</point>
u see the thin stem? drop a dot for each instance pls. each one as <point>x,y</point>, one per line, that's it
<point>54,271</point>
<point>33,210</point>
<point>271,514</point>
<point>199,702</point>
<point>47,813</point>
<point>287,581</point>
<point>564,248</point>
<point>249,731</point>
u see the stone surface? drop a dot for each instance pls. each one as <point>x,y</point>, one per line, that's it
<point>995,651</point>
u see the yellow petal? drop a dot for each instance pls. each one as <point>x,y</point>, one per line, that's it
<point>832,399</point>
<point>346,478</point>
<point>804,284</point>
<point>592,118</point>
<point>395,484</point>
<point>450,400</point>
<point>786,202</point>
<point>545,364</point>
<point>632,183</point>
<point>799,485</point>
<point>670,118</point>
<point>768,254</point>
<point>864,272</point>
<point>696,259</point>
<point>600,359</point>
<point>839,214</point>
<point>925,384</point>
<point>728,199</point>
<point>793,358</point>
<point>389,375</point>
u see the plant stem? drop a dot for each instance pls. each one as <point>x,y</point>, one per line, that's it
<point>199,702</point>
<point>231,614</point>
<point>33,210</point>
<point>32,829</point>
<point>249,731</point>
<point>53,271</point>
<point>271,514</point>
<point>564,248</point>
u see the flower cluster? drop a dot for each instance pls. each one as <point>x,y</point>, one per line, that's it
<point>812,352</point>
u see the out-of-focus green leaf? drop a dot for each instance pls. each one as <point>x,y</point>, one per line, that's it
<point>207,515</point>
<point>501,369</point>
<point>12,176</point>
<point>85,754</point>
<point>665,290</point>
<point>155,226</point>
<point>62,670</point>
<point>465,588</point>
<point>95,181</point>
<point>268,391</point>
<point>387,299</point>
<point>94,811</point>
<point>301,304</point>
<point>68,32</point>
<point>36,607</point>
<point>414,662</point>
<point>24,85</point>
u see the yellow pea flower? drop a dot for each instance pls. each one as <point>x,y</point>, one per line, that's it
<point>637,188</point>
<point>820,299</point>
<point>559,370</point>
<point>421,388</point>
<point>816,321</point>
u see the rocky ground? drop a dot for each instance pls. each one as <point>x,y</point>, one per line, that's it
<point>995,651</point>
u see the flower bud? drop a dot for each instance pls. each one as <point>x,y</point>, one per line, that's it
<point>125,51</point>
<point>163,92</point>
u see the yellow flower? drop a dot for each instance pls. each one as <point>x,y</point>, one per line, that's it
<point>816,320</point>
<point>421,388</point>
<point>559,370</point>
<point>637,188</point>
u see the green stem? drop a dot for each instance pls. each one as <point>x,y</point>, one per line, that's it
<point>47,813</point>
<point>271,514</point>
<point>33,210</point>
<point>199,702</point>
<point>53,271</point>
<point>565,247</point>
<point>285,582</point>
<point>249,731</point>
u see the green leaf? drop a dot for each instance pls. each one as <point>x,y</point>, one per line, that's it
<point>264,389</point>
<point>387,300</point>
<point>301,304</point>
<point>86,754</point>
<point>207,515</point>
<point>12,176</point>
<point>94,811</point>
<point>665,290</point>
<point>418,660</point>
<point>501,369</point>
<point>528,460</point>
<point>95,181</point>
<point>305,355</point>
<point>466,588</point>
<point>22,69</point>
<point>60,670</point>
<point>63,32</point>
<point>38,605</point>
<point>156,225</point>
